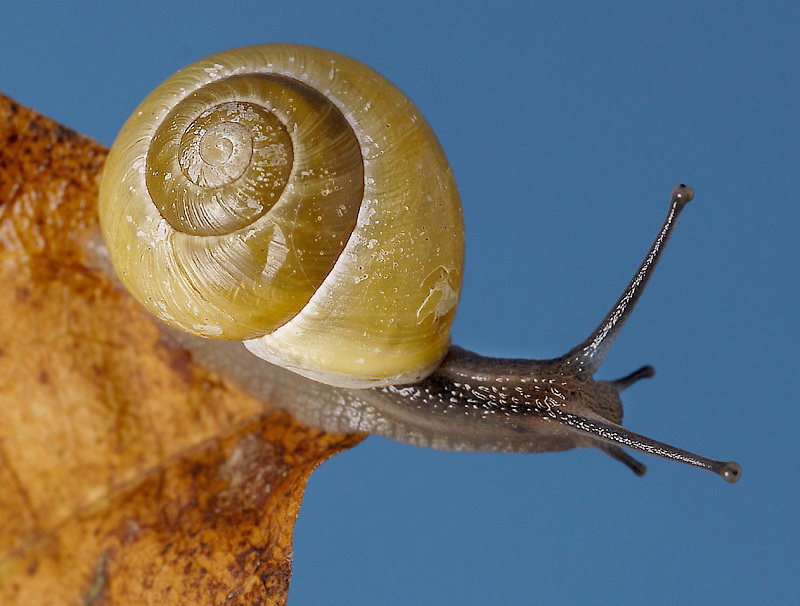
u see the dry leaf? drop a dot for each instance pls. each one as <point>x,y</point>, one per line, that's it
<point>129,474</point>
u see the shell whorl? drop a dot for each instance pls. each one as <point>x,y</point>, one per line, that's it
<point>293,198</point>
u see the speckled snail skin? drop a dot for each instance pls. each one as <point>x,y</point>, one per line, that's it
<point>293,199</point>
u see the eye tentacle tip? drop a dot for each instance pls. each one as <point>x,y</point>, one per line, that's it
<point>731,472</point>
<point>682,194</point>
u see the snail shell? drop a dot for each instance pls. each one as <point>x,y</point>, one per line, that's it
<point>292,198</point>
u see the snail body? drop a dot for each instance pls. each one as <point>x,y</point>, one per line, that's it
<point>293,199</point>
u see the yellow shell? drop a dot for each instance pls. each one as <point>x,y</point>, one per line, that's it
<point>292,198</point>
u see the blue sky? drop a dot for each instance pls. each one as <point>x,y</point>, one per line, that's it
<point>567,124</point>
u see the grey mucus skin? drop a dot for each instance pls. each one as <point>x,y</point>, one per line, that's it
<point>476,403</point>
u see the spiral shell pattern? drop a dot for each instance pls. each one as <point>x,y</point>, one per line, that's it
<point>292,198</point>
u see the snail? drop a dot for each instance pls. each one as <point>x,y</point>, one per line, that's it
<point>292,200</point>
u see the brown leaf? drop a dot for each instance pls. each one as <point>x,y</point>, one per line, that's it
<point>128,474</point>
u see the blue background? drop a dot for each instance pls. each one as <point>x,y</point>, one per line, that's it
<point>567,125</point>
